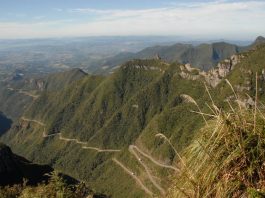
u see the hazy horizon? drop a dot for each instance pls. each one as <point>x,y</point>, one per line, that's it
<point>192,20</point>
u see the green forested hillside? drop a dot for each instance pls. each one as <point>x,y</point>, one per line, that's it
<point>226,157</point>
<point>102,130</point>
<point>24,179</point>
<point>17,95</point>
<point>109,113</point>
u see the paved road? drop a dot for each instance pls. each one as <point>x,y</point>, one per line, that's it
<point>28,94</point>
<point>100,150</point>
<point>36,121</point>
<point>45,135</point>
<point>129,172</point>
<point>132,149</point>
<point>153,160</point>
<point>151,178</point>
<point>24,92</point>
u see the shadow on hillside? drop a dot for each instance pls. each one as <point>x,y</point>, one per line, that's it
<point>100,196</point>
<point>5,124</point>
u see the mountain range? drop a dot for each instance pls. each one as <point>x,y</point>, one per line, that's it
<point>203,56</point>
<point>104,129</point>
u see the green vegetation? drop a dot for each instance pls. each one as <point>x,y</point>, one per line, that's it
<point>56,187</point>
<point>227,157</point>
<point>141,99</point>
<point>16,95</point>
<point>21,178</point>
<point>112,113</point>
<point>203,56</point>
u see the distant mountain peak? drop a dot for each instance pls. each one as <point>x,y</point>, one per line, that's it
<point>259,40</point>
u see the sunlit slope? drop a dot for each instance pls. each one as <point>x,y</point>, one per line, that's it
<point>103,129</point>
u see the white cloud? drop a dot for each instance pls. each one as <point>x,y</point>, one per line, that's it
<point>39,17</point>
<point>219,19</point>
<point>58,9</point>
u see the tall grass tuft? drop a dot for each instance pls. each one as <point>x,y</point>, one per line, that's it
<point>227,159</point>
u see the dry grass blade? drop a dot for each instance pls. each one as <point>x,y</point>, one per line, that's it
<point>188,98</point>
<point>160,135</point>
<point>227,157</point>
<point>207,114</point>
<point>228,82</point>
<point>256,99</point>
<point>217,111</point>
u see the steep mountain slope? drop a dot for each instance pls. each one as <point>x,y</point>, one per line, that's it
<point>97,120</point>
<point>14,168</point>
<point>226,159</point>
<point>5,123</point>
<point>17,94</point>
<point>51,82</point>
<point>103,129</point>
<point>22,178</point>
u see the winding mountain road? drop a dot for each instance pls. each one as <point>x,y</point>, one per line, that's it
<point>24,92</point>
<point>132,150</point>
<point>36,121</point>
<point>152,159</point>
<point>147,170</point>
<point>45,135</point>
<point>100,150</point>
<point>129,172</point>
<point>28,94</point>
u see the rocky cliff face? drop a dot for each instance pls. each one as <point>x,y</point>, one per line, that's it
<point>245,75</point>
<point>214,76</point>
<point>35,83</point>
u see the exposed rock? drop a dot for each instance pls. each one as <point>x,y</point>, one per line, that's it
<point>189,76</point>
<point>40,85</point>
<point>214,76</point>
<point>157,57</point>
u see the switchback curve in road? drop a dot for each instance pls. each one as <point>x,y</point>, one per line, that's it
<point>129,172</point>
<point>147,170</point>
<point>153,160</point>
<point>45,135</point>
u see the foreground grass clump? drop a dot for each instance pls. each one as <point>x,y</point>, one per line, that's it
<point>227,159</point>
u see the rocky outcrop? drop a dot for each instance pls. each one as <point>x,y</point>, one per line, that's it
<point>189,72</point>
<point>35,83</point>
<point>214,76</point>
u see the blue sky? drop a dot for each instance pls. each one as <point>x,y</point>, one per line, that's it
<point>227,19</point>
